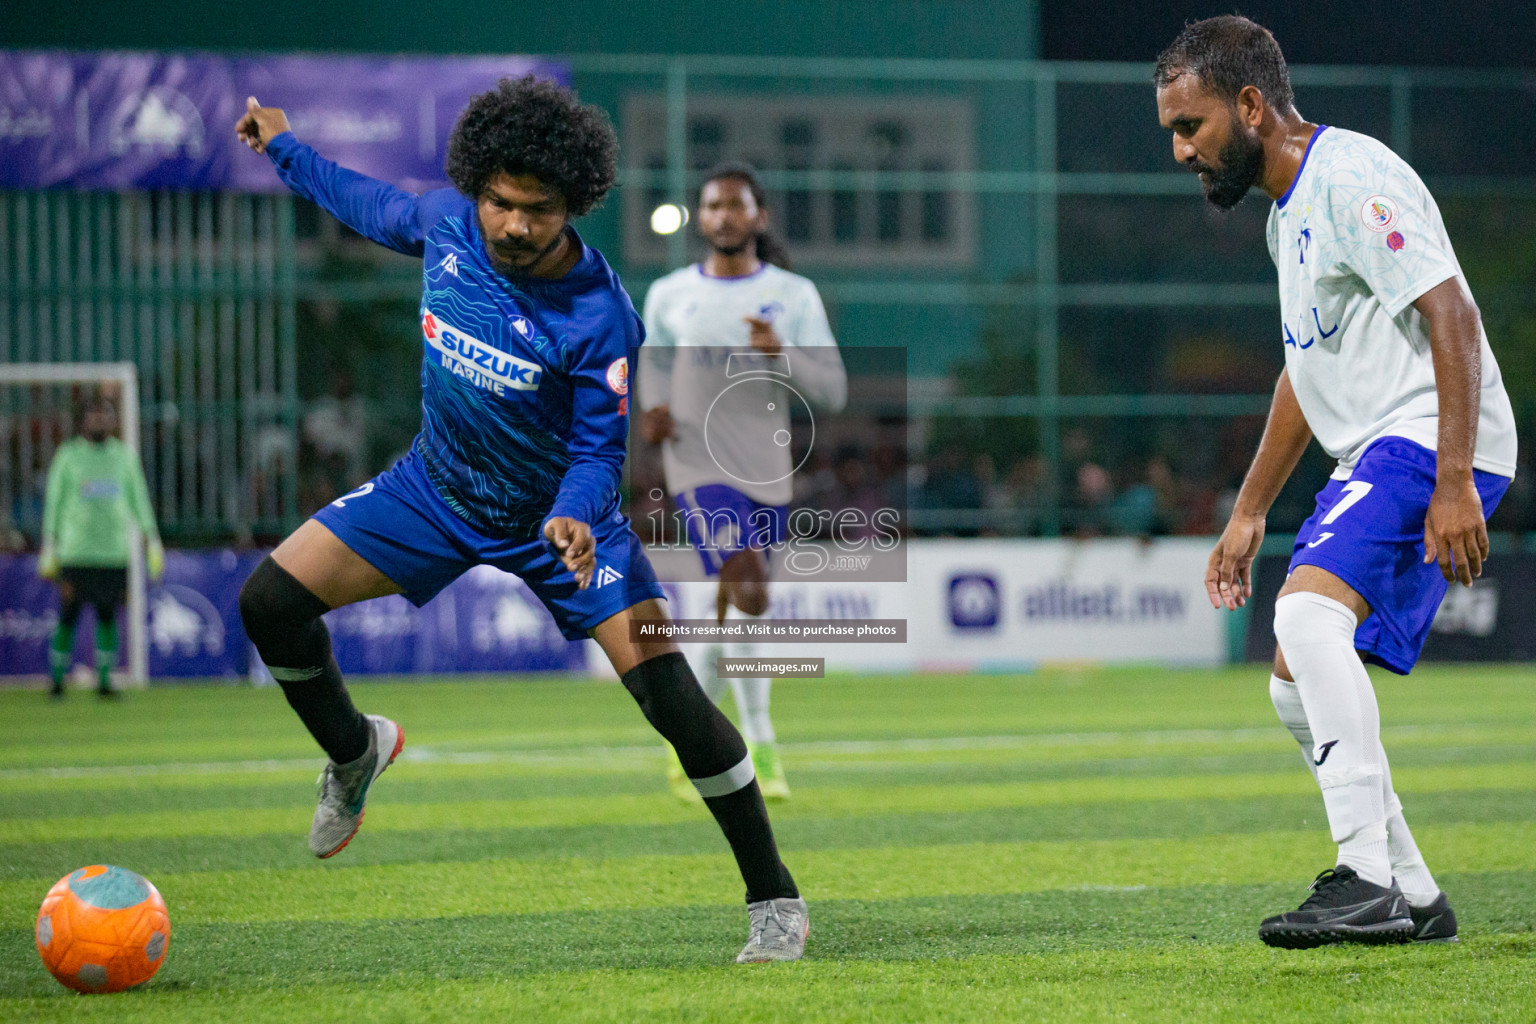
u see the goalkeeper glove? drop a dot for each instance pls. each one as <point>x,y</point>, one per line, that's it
<point>154,560</point>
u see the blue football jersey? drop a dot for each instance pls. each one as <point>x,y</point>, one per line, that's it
<point>525,381</point>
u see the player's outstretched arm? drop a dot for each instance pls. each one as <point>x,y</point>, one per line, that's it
<point>1455,533</point>
<point>372,208</point>
<point>1229,572</point>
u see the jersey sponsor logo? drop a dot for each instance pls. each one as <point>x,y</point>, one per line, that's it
<point>451,264</point>
<point>618,376</point>
<point>1395,241</point>
<point>1303,242</point>
<point>606,574</point>
<point>100,489</point>
<point>1379,213</point>
<point>472,359</point>
<point>1324,751</point>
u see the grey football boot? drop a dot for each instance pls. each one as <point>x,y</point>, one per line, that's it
<point>777,931</point>
<point>344,788</point>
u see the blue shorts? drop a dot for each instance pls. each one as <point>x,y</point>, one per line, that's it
<point>1369,532</point>
<point>721,522</point>
<point>401,526</point>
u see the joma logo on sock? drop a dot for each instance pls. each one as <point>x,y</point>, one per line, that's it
<point>1324,750</point>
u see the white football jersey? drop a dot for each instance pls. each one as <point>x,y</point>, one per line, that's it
<point>730,404</point>
<point>1356,240</point>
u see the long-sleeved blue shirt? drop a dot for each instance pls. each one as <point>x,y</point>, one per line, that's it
<point>524,381</point>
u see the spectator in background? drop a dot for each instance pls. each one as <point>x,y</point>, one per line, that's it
<point>855,488</point>
<point>950,483</point>
<point>1094,513</point>
<point>1015,499</point>
<point>1146,507</point>
<point>335,432</point>
<point>96,492</point>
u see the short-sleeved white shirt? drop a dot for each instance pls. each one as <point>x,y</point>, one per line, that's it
<point>1356,240</point>
<point>741,394</point>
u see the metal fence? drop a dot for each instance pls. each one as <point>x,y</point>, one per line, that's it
<point>197,291</point>
<point>1085,289</point>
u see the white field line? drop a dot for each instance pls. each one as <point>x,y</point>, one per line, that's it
<point>649,753</point>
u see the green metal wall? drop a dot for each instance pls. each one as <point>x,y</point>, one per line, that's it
<point>822,28</point>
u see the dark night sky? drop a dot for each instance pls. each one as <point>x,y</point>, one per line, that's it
<point>1443,33</point>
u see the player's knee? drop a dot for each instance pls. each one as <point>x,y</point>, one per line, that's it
<point>278,611</point>
<point>750,598</point>
<point>1304,618</point>
<point>673,702</point>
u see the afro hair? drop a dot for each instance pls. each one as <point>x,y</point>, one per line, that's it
<point>528,126</point>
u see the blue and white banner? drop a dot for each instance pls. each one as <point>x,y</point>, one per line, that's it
<point>116,119</point>
<point>486,621</point>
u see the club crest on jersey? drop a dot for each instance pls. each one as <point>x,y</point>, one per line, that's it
<point>618,376</point>
<point>1379,213</point>
<point>473,360</point>
<point>606,574</point>
<point>522,325</point>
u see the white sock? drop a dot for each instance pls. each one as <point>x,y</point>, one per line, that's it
<point>1408,865</point>
<point>752,705</point>
<point>1287,702</point>
<point>1316,634</point>
<point>751,694</point>
<point>701,658</point>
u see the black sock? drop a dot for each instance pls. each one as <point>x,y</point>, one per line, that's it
<point>708,746</point>
<point>282,618</point>
<point>327,711</point>
<point>744,820</point>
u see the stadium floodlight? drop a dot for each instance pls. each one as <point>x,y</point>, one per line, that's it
<point>668,218</point>
<point>126,377</point>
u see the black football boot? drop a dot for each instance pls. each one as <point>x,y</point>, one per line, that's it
<point>1343,907</point>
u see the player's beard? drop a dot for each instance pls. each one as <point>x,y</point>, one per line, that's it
<point>499,256</point>
<point>1242,161</point>
<point>735,249</point>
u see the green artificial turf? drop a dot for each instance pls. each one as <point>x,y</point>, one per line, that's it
<point>1063,846</point>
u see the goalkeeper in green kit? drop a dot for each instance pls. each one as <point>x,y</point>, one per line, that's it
<point>96,490</point>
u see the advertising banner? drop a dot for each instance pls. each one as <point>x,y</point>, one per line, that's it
<point>998,604</point>
<point>1017,603</point>
<point>486,621</point>
<point>118,119</point>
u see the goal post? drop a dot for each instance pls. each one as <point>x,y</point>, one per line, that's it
<point>24,478</point>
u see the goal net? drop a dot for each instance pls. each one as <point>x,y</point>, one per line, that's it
<point>40,406</point>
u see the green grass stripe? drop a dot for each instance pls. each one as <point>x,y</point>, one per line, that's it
<point>225,723</point>
<point>1486,980</point>
<point>1010,753</point>
<point>660,808</point>
<point>516,886</point>
<point>302,953</point>
<point>1187,819</point>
